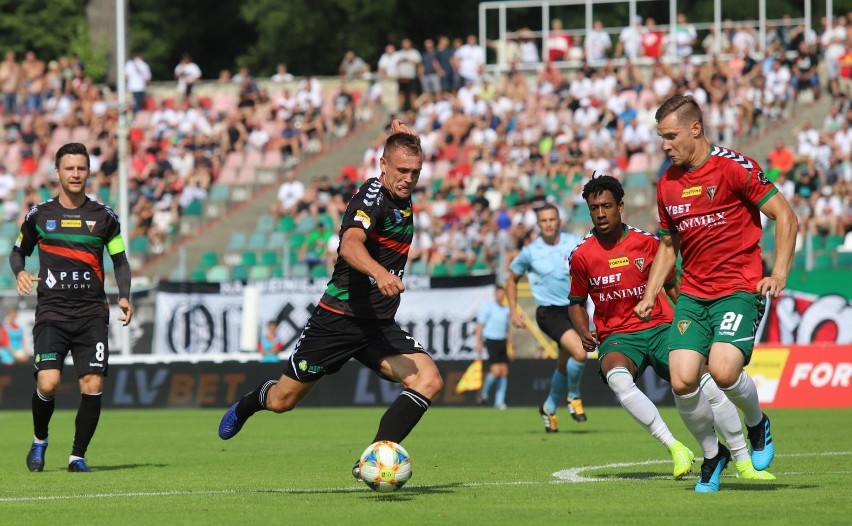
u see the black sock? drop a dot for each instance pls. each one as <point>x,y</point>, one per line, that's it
<point>402,416</point>
<point>86,422</point>
<point>42,411</point>
<point>254,401</point>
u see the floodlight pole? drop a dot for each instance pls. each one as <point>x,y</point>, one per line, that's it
<point>121,132</point>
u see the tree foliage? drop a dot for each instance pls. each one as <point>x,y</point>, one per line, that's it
<point>47,27</point>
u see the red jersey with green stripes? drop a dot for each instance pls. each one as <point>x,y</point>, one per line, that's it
<point>70,245</point>
<point>715,210</point>
<point>615,278</point>
<point>389,226</point>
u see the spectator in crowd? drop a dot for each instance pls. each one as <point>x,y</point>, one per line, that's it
<point>685,36</point>
<point>352,66</point>
<point>430,69</point>
<point>387,63</point>
<point>281,74</point>
<point>558,43</point>
<point>12,347</point>
<point>138,75</point>
<point>629,44</point>
<point>33,71</point>
<point>652,40</point>
<point>408,61</point>
<point>804,73</point>
<point>290,195</point>
<point>781,158</point>
<point>187,74</point>
<point>444,54</point>
<point>470,60</point>
<point>270,343</point>
<point>527,47</point>
<point>598,43</point>
<point>10,82</point>
<point>827,213</point>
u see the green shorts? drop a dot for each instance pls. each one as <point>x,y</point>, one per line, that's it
<point>699,323</point>
<point>644,348</point>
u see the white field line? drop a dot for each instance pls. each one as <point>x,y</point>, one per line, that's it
<point>571,475</point>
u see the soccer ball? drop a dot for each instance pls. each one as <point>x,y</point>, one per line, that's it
<point>385,466</point>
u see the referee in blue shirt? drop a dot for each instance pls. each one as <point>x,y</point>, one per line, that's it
<point>492,332</point>
<point>545,261</point>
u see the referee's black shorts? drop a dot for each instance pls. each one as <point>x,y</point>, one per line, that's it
<point>553,321</point>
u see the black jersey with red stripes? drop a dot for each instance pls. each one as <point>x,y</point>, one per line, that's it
<point>71,245</point>
<point>389,225</point>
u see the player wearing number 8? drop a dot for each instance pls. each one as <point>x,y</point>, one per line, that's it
<point>709,204</point>
<point>71,232</point>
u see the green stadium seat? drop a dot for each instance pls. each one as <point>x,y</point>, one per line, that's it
<point>327,220</point>
<point>139,245</point>
<point>218,274</point>
<point>440,270</point>
<point>208,259</point>
<point>299,270</point>
<point>198,276</point>
<point>257,240</point>
<point>104,195</point>
<point>844,260</point>
<point>306,224</point>
<point>194,209</point>
<point>419,268</point>
<point>249,258</point>
<point>7,281</point>
<point>10,230</point>
<point>269,258</point>
<point>799,260</point>
<point>220,192</point>
<point>177,274</point>
<point>258,272</point>
<point>265,223</point>
<point>459,268</point>
<point>817,242</point>
<point>319,271</point>
<point>277,240</point>
<point>823,261</point>
<point>239,273</point>
<point>286,224</point>
<point>767,242</point>
<point>480,267</point>
<point>238,241</point>
<point>296,240</point>
<point>833,241</point>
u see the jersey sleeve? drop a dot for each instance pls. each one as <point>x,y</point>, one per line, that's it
<point>521,263</point>
<point>114,241</point>
<point>28,235</point>
<point>667,226</point>
<point>482,317</point>
<point>364,209</point>
<point>579,290</point>
<point>756,187</point>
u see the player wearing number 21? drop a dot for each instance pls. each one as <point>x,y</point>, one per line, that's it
<point>709,204</point>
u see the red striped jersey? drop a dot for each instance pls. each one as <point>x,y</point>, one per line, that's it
<point>615,278</point>
<point>389,225</point>
<point>715,209</point>
<point>71,245</point>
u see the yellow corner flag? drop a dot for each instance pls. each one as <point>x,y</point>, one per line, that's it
<point>471,380</point>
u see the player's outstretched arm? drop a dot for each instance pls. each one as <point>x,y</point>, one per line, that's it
<point>786,226</point>
<point>664,261</point>
<point>353,250</point>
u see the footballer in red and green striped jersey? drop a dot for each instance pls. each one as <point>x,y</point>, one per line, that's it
<point>70,245</point>
<point>615,277</point>
<point>719,236</point>
<point>389,226</point>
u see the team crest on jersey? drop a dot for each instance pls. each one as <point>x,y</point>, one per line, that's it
<point>762,178</point>
<point>682,326</point>
<point>363,218</point>
<point>711,193</point>
<point>50,225</point>
<point>640,263</point>
<point>91,225</point>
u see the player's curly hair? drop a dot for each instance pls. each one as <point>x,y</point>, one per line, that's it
<point>601,183</point>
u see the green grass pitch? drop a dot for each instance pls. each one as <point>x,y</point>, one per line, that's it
<point>470,465</point>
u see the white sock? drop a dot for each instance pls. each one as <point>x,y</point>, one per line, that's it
<point>72,458</point>
<point>726,418</point>
<point>640,407</point>
<point>744,395</point>
<point>695,411</point>
<point>38,440</point>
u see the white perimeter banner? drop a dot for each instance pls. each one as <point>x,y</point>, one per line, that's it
<point>197,323</point>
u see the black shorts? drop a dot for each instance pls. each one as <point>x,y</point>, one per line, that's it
<point>497,351</point>
<point>329,340</point>
<point>553,321</point>
<point>87,339</point>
